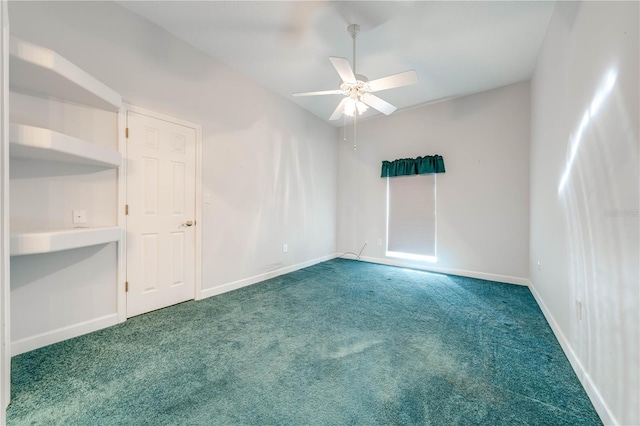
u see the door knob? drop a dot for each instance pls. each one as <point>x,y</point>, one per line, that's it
<point>187,223</point>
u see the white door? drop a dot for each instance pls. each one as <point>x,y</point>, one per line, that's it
<point>161,183</point>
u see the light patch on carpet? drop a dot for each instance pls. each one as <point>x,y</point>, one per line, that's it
<point>352,348</point>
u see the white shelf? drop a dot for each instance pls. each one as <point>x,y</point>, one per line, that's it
<point>42,72</point>
<point>43,144</point>
<point>48,241</point>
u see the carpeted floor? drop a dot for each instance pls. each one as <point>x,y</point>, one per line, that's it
<point>339,343</point>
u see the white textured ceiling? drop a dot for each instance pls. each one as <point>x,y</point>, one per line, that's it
<point>456,48</point>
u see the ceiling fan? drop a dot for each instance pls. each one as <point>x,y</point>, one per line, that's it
<point>358,90</point>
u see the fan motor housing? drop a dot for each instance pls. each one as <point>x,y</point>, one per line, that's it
<point>359,88</point>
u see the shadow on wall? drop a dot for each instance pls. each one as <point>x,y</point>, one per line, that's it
<point>47,169</point>
<point>91,23</point>
<point>144,63</point>
<point>267,196</point>
<point>283,204</point>
<point>469,105</point>
<point>34,267</point>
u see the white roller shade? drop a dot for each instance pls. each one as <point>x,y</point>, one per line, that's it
<point>412,215</point>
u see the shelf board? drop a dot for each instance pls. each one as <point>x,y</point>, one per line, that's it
<point>37,143</point>
<point>47,241</point>
<point>42,72</point>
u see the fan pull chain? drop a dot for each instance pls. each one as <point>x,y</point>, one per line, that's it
<point>355,140</point>
<point>344,128</point>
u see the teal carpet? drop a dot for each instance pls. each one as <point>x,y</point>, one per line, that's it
<point>339,343</point>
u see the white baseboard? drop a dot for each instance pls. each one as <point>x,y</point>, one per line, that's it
<point>224,288</point>
<point>598,402</point>
<point>425,267</point>
<point>54,336</point>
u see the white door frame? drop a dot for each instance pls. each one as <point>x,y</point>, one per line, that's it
<point>122,190</point>
<point>5,288</point>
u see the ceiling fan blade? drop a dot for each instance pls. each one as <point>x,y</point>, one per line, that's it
<point>375,102</point>
<point>343,68</point>
<point>323,92</point>
<point>338,111</point>
<point>392,81</point>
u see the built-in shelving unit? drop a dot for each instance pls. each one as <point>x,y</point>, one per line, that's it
<point>49,241</point>
<point>42,72</point>
<point>61,114</point>
<point>37,143</point>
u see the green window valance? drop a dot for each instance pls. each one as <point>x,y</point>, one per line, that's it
<point>413,166</point>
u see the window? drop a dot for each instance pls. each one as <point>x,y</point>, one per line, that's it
<point>411,217</point>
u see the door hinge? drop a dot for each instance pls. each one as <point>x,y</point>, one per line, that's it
<point>126,133</point>
<point>126,286</point>
<point>126,209</point>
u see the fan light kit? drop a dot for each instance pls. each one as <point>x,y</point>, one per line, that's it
<point>358,90</point>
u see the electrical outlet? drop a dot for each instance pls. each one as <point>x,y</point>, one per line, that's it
<point>207,198</point>
<point>285,248</point>
<point>538,265</point>
<point>380,242</point>
<point>79,217</point>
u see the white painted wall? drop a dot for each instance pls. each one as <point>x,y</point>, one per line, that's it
<point>482,199</point>
<point>585,120</point>
<point>62,290</point>
<point>63,294</point>
<point>268,165</point>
